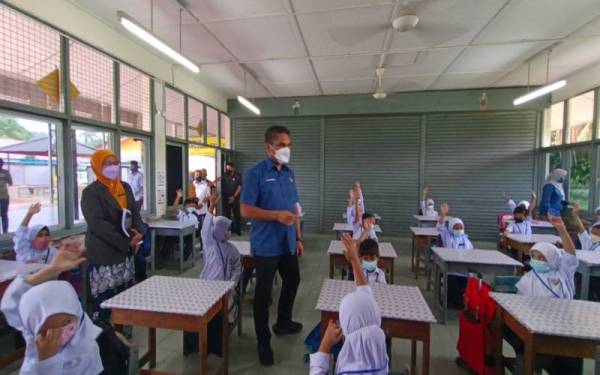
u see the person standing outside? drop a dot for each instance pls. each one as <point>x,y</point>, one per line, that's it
<point>269,199</point>
<point>231,188</point>
<point>136,182</point>
<point>202,188</point>
<point>5,182</point>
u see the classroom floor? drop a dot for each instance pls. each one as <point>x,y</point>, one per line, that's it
<point>290,350</point>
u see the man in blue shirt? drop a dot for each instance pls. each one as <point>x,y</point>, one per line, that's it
<point>269,199</point>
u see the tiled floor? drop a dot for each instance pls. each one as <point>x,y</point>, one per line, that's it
<point>290,350</point>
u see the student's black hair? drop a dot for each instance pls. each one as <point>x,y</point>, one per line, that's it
<point>520,210</point>
<point>367,215</point>
<point>230,164</point>
<point>134,162</point>
<point>275,130</point>
<point>190,200</point>
<point>368,247</point>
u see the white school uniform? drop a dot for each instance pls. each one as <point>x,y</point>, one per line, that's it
<point>364,350</point>
<point>450,240</point>
<point>185,217</point>
<point>136,182</point>
<point>359,230</point>
<point>520,228</point>
<point>426,211</point>
<point>221,258</point>
<point>375,277</point>
<point>25,252</point>
<point>27,307</point>
<point>559,282</point>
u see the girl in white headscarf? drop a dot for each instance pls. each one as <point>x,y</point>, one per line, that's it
<point>552,270</point>
<point>221,261</point>
<point>364,350</point>
<point>427,204</point>
<point>453,236</point>
<point>32,244</point>
<point>589,239</point>
<point>60,337</point>
<point>552,275</point>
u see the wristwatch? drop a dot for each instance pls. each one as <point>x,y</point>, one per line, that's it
<point>298,239</point>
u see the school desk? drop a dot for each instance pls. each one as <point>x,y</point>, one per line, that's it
<point>387,256</point>
<point>522,243</point>
<point>404,313</point>
<point>546,326</point>
<point>422,238</point>
<point>172,228</point>
<point>9,270</point>
<point>537,226</point>
<point>589,265</point>
<point>247,264</point>
<point>484,262</point>
<point>183,304</point>
<point>341,228</point>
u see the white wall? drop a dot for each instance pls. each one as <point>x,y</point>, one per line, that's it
<point>76,22</point>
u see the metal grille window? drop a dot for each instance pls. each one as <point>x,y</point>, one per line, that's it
<point>195,120</point>
<point>212,126</point>
<point>581,116</point>
<point>134,98</point>
<point>553,125</point>
<point>29,62</point>
<point>225,131</point>
<point>92,83</point>
<point>174,114</point>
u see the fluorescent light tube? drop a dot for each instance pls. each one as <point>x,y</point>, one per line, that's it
<point>539,92</point>
<point>147,37</point>
<point>248,105</point>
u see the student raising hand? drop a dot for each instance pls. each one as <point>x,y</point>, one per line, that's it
<point>351,254</point>
<point>333,334</point>
<point>565,238</point>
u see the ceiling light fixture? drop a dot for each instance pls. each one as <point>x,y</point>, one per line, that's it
<point>248,104</point>
<point>139,31</point>
<point>548,88</point>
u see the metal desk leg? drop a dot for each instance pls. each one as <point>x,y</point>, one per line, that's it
<point>585,283</point>
<point>181,251</point>
<point>437,292</point>
<point>331,266</point>
<point>445,301</point>
<point>153,250</point>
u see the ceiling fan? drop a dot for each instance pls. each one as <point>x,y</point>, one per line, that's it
<point>406,21</point>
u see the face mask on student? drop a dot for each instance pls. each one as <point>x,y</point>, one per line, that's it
<point>369,266</point>
<point>191,210</point>
<point>595,238</point>
<point>111,172</point>
<point>41,244</point>
<point>283,155</point>
<point>458,232</point>
<point>519,220</point>
<point>539,266</point>
<point>68,332</point>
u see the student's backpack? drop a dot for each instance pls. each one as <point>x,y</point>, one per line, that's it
<point>313,341</point>
<point>117,356</point>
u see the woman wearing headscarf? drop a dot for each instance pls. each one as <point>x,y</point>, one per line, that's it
<point>552,275</point>
<point>364,350</point>
<point>60,338</point>
<point>114,228</point>
<point>553,194</point>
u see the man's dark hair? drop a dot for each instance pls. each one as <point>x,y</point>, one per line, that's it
<point>520,210</point>
<point>367,215</point>
<point>368,247</point>
<point>230,164</point>
<point>134,162</point>
<point>275,130</point>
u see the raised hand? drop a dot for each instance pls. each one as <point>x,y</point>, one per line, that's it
<point>69,256</point>
<point>34,209</point>
<point>179,193</point>
<point>576,207</point>
<point>533,196</point>
<point>425,191</point>
<point>557,222</point>
<point>351,251</point>
<point>504,196</point>
<point>333,334</point>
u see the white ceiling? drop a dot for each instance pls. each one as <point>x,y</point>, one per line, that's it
<point>281,48</point>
